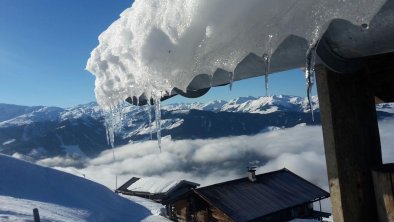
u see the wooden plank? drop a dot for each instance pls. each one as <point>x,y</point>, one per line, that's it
<point>219,215</point>
<point>351,142</point>
<point>384,191</point>
<point>181,210</point>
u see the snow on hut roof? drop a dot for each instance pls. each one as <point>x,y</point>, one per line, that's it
<point>159,47</point>
<point>153,185</point>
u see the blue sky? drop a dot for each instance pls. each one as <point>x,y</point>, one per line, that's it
<point>44,46</point>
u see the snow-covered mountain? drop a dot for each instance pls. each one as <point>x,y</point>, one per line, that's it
<point>49,131</point>
<point>80,131</point>
<point>8,111</point>
<point>261,105</point>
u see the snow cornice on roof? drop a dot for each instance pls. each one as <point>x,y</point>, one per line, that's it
<point>163,48</point>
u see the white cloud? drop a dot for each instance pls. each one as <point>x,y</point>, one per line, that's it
<point>204,161</point>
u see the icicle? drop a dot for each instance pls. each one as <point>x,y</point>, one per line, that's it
<point>231,76</point>
<point>110,131</point>
<point>150,118</point>
<point>267,61</point>
<point>113,153</point>
<point>310,76</point>
<point>267,64</point>
<point>158,120</point>
<point>113,124</point>
<point>138,100</point>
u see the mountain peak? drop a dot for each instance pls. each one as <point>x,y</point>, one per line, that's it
<point>240,100</point>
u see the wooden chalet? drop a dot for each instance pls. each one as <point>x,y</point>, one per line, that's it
<point>271,197</point>
<point>156,189</point>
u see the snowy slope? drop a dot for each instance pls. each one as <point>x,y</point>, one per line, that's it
<point>62,197</point>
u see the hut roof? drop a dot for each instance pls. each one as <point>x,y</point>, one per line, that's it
<point>243,200</point>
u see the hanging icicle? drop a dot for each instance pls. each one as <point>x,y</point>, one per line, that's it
<point>266,59</point>
<point>267,62</point>
<point>113,121</point>
<point>310,76</point>
<point>138,100</point>
<point>231,76</point>
<point>110,137</point>
<point>158,120</point>
<point>149,111</point>
<point>110,128</point>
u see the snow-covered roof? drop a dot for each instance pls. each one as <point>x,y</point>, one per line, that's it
<point>153,185</point>
<point>159,46</point>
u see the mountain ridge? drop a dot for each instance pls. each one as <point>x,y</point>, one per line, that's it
<point>80,131</point>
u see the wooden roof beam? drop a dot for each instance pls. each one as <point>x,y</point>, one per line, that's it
<point>380,70</point>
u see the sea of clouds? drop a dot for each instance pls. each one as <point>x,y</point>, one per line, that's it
<point>299,149</point>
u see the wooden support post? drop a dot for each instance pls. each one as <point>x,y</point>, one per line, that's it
<point>36,215</point>
<point>351,141</point>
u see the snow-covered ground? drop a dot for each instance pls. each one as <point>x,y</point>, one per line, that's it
<point>61,196</point>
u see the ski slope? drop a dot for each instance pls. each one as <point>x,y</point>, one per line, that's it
<point>61,196</point>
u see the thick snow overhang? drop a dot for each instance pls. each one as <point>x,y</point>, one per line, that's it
<point>161,48</point>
